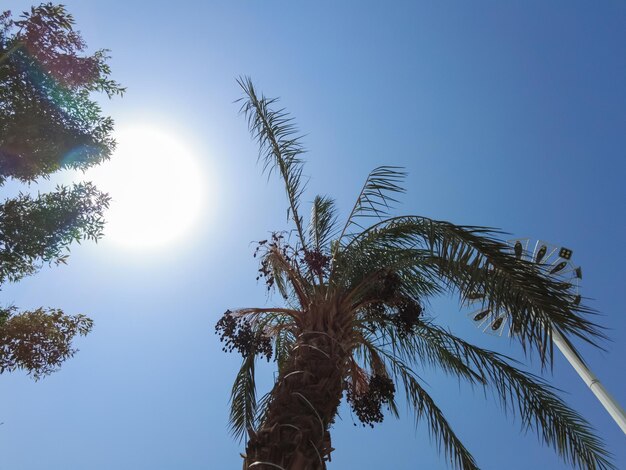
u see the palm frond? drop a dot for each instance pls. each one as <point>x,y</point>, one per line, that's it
<point>282,332</point>
<point>254,312</point>
<point>280,270</point>
<point>359,267</point>
<point>279,324</point>
<point>425,408</point>
<point>287,276</point>
<point>472,260</point>
<point>530,397</point>
<point>243,400</point>
<point>280,146</point>
<point>524,394</point>
<point>262,409</point>
<point>440,429</point>
<point>376,196</point>
<point>323,222</point>
<point>421,349</point>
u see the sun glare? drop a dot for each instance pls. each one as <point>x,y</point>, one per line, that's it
<point>156,188</point>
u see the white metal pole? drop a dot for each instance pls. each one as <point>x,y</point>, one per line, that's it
<point>609,403</point>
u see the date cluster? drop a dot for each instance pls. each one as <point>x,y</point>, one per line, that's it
<point>316,261</point>
<point>237,334</point>
<point>407,316</point>
<point>368,405</point>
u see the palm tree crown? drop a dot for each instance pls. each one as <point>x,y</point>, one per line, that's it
<point>353,321</point>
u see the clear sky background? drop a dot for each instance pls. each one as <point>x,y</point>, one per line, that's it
<point>507,114</point>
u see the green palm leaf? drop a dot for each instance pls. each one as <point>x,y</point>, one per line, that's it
<point>425,408</point>
<point>376,196</point>
<point>323,222</point>
<point>243,400</point>
<point>280,146</point>
<point>471,260</point>
<point>530,397</point>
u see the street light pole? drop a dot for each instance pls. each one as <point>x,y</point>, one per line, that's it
<point>601,393</point>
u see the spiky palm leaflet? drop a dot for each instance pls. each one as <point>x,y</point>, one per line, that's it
<point>354,325</point>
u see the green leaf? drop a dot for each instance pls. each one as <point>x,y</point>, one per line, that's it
<point>280,147</point>
<point>243,400</point>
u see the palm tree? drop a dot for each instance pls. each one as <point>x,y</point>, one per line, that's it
<point>353,319</point>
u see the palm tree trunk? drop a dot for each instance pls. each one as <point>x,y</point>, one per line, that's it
<point>295,434</point>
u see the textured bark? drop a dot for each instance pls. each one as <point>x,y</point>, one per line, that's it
<point>295,434</point>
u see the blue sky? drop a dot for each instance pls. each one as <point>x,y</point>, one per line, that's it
<point>506,114</point>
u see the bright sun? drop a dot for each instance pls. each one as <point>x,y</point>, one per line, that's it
<point>155,185</point>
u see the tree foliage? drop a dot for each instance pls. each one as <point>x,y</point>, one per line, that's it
<point>355,324</point>
<point>37,230</point>
<point>49,122</point>
<point>38,341</point>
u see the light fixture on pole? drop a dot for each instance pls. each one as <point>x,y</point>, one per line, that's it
<point>555,262</point>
